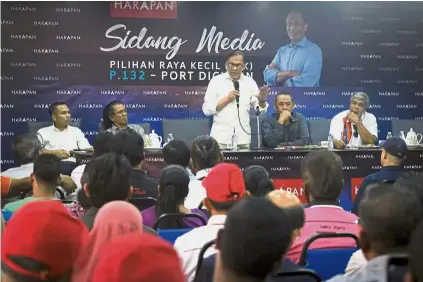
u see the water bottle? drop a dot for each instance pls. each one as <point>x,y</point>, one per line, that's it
<point>169,137</point>
<point>389,135</point>
<point>330,142</point>
<point>234,142</point>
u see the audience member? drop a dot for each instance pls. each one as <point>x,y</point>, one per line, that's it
<point>387,216</point>
<point>178,153</point>
<point>41,243</point>
<point>322,176</point>
<point>131,145</point>
<point>101,146</point>
<point>205,154</point>
<point>79,207</point>
<point>26,148</point>
<point>12,186</point>
<point>113,220</point>
<point>224,187</point>
<point>415,251</point>
<point>252,244</point>
<point>173,189</point>
<point>257,180</point>
<point>44,181</point>
<point>107,180</point>
<point>394,152</point>
<point>138,258</point>
<point>60,138</point>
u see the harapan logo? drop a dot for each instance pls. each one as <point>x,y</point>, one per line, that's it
<point>7,50</point>
<point>390,19</point>
<point>230,158</point>
<point>407,106</point>
<point>295,158</point>
<point>68,65</point>
<point>23,64</point>
<point>389,69</point>
<point>23,9</point>
<point>68,37</point>
<point>418,93</point>
<point>387,118</point>
<point>7,78</point>
<point>375,106</point>
<point>7,106</point>
<point>90,133</point>
<point>73,119</point>
<point>370,30</point>
<point>112,92</point>
<point>144,9</point>
<point>389,93</point>
<point>195,92</point>
<point>365,156</point>
<point>314,93</point>
<point>68,10</point>
<point>347,93</point>
<point>7,161</point>
<point>352,18</point>
<point>46,78</point>
<point>153,119</point>
<point>7,133</point>
<point>23,92</point>
<point>154,92</point>
<point>263,157</point>
<point>352,43</point>
<point>46,51</point>
<point>280,168</point>
<point>350,167</point>
<point>135,106</point>
<point>23,119</point>
<point>376,167</point>
<point>90,106</point>
<point>412,167</point>
<point>332,106</point>
<point>68,92</point>
<point>370,81</point>
<point>23,36</point>
<point>352,68</point>
<point>371,56</point>
<point>407,81</point>
<point>6,22</point>
<point>407,31</point>
<point>46,23</point>
<point>154,160</point>
<point>41,106</point>
<point>389,44</point>
<point>407,57</point>
<point>175,106</point>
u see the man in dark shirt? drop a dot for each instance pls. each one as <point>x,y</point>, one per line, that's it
<point>285,128</point>
<point>394,152</point>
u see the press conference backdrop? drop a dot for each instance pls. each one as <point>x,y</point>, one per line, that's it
<point>158,57</point>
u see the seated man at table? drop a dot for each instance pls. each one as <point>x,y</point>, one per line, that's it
<point>60,138</point>
<point>355,126</point>
<point>285,127</point>
<point>394,152</point>
<point>115,119</point>
<point>44,181</point>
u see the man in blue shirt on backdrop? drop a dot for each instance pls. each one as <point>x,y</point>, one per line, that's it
<point>299,63</point>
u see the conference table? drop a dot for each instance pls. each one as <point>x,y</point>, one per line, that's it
<point>284,166</point>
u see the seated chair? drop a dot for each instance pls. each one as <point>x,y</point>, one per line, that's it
<point>205,272</point>
<point>300,275</point>
<point>143,203</point>
<point>327,262</point>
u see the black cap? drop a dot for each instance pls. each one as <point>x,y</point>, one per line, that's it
<point>396,147</point>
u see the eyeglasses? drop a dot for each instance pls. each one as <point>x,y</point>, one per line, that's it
<point>237,66</point>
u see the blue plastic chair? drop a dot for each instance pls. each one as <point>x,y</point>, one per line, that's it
<point>6,215</point>
<point>327,262</point>
<point>171,235</point>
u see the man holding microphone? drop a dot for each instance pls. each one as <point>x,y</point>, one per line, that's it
<point>229,98</point>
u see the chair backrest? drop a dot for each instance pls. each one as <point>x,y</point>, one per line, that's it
<point>185,129</point>
<point>176,216</point>
<point>6,215</point>
<point>397,267</point>
<point>327,262</point>
<point>303,274</point>
<point>171,235</point>
<point>201,257</point>
<point>145,125</point>
<point>143,203</point>
<point>33,127</point>
<point>405,125</point>
<point>256,131</point>
<point>319,130</point>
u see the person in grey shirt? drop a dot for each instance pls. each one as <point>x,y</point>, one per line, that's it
<point>388,217</point>
<point>115,119</point>
<point>285,127</point>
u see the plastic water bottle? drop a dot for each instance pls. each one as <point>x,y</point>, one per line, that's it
<point>234,141</point>
<point>389,135</point>
<point>169,137</point>
<point>330,142</point>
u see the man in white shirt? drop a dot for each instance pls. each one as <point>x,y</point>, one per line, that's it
<point>224,187</point>
<point>225,93</point>
<point>60,138</point>
<point>354,127</point>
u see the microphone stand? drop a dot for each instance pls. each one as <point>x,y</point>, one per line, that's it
<point>257,111</point>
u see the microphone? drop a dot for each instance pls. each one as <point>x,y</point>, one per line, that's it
<point>236,85</point>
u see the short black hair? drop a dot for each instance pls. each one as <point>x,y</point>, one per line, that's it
<point>413,182</point>
<point>388,216</point>
<point>252,242</point>
<point>47,171</point>
<point>415,251</point>
<point>81,197</point>
<point>222,206</point>
<point>26,148</point>
<point>102,143</point>
<point>107,112</point>
<point>54,106</point>
<point>205,152</point>
<point>130,144</point>
<point>286,93</point>
<point>257,180</point>
<point>322,175</point>
<point>108,179</point>
<point>235,53</point>
<point>176,152</point>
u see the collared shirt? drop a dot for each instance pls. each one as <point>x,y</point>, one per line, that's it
<point>135,127</point>
<point>196,193</point>
<point>68,139</point>
<point>20,171</point>
<point>226,120</point>
<point>189,245</point>
<point>304,57</point>
<point>337,127</point>
<point>14,206</point>
<point>321,218</point>
<point>386,173</point>
<point>295,133</point>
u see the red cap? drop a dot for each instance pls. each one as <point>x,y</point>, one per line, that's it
<point>224,182</point>
<point>138,257</point>
<point>45,232</point>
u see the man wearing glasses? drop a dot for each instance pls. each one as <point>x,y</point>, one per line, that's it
<point>355,126</point>
<point>229,98</point>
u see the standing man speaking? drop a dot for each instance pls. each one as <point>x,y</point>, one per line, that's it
<point>229,98</point>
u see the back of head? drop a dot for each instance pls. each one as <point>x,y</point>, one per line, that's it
<point>322,175</point>
<point>416,253</point>
<point>102,143</point>
<point>47,171</point>
<point>173,189</point>
<point>130,144</point>
<point>412,182</point>
<point>176,152</point>
<point>26,148</point>
<point>205,153</point>
<point>257,180</point>
<point>108,179</point>
<point>388,216</point>
<point>253,243</point>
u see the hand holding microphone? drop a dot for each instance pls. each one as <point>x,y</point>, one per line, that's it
<point>234,94</point>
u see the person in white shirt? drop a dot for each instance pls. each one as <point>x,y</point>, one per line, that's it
<point>205,154</point>
<point>60,138</point>
<point>222,98</point>
<point>224,187</point>
<point>354,127</point>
